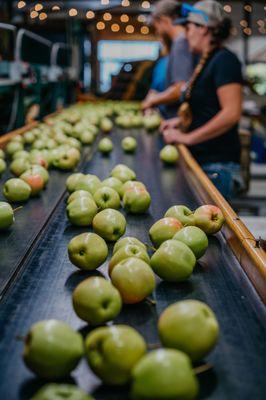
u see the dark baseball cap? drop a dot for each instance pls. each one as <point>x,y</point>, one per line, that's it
<point>206,12</point>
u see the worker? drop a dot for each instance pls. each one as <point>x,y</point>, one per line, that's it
<point>209,115</point>
<point>180,64</point>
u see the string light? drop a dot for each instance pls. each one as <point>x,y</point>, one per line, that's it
<point>107,16</point>
<point>125,3</point>
<point>73,12</point>
<point>38,7</point>
<point>248,8</point>
<point>124,18</point>
<point>90,14</point>
<point>34,14</point>
<point>42,16</point>
<point>227,8</point>
<point>104,2</point>
<point>247,31</point>
<point>142,18</point>
<point>234,31</point>
<point>145,4</point>
<point>243,23</point>
<point>115,28</point>
<point>100,25</point>
<point>260,22</point>
<point>144,30</point>
<point>21,4</point>
<point>55,8</point>
<point>130,29</point>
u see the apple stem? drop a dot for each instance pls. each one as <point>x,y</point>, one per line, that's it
<point>150,247</point>
<point>17,209</point>
<point>151,301</point>
<point>153,346</point>
<point>202,368</point>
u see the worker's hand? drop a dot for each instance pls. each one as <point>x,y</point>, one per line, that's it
<point>177,137</point>
<point>146,104</point>
<point>169,124</point>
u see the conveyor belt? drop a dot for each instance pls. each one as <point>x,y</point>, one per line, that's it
<point>44,290</point>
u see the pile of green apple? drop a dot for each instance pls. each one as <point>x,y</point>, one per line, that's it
<point>92,202</point>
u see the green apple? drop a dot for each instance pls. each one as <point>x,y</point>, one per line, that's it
<point>52,349</point>
<point>182,213</point>
<point>194,238</point>
<point>113,351</point>
<point>39,144</point>
<point>21,154</point>
<point>106,125</point>
<point>189,326</point>
<point>129,144</point>
<point>127,251</point>
<point>29,137</point>
<point>86,137</point>
<point>39,159</point>
<point>109,224</point>
<point>60,391</point>
<point>164,374</point>
<point>113,183</point>
<point>134,279</point>
<point>89,182</point>
<point>163,230</point>
<point>2,166</point>
<point>173,261</point>
<point>131,185</point>
<point>152,122</point>
<point>16,190</point>
<point>123,173</point>
<point>72,181</point>
<point>80,212</point>
<point>209,218</point>
<point>105,146</point>
<point>38,169</point>
<point>78,194</point>
<point>106,197</point>
<point>6,215</point>
<point>96,301</point>
<point>73,142</point>
<point>17,138</point>
<point>35,180</point>
<point>136,200</point>
<point>68,160</point>
<point>128,240</point>
<point>2,154</point>
<point>13,147</point>
<point>169,154</point>
<point>87,251</point>
<point>18,166</point>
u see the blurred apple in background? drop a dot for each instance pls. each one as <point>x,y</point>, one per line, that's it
<point>87,251</point>
<point>35,181</point>
<point>173,261</point>
<point>96,301</point>
<point>164,374</point>
<point>209,218</point>
<point>163,230</point>
<point>189,326</point>
<point>169,154</point>
<point>2,166</point>
<point>129,144</point>
<point>113,351</point>
<point>106,125</point>
<point>105,146</point>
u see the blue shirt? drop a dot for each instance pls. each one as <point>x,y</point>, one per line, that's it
<point>159,74</point>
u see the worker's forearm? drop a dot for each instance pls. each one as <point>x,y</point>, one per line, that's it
<point>169,96</point>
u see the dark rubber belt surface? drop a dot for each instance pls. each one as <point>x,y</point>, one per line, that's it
<point>44,288</point>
